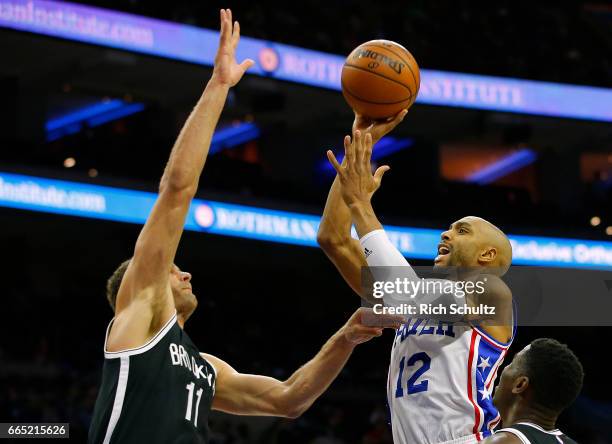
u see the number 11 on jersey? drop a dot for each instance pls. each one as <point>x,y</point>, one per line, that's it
<point>190,388</point>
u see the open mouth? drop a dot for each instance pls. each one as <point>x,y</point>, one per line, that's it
<point>443,250</point>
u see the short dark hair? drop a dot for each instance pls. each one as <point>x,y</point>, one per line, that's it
<point>114,282</point>
<point>555,373</point>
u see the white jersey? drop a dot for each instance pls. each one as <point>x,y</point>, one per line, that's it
<point>440,381</point>
<point>441,374</point>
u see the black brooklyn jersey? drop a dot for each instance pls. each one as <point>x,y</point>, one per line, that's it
<point>529,433</point>
<point>158,393</point>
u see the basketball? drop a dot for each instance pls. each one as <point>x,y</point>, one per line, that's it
<point>380,78</point>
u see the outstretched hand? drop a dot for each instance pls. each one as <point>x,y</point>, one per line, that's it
<point>355,173</point>
<point>365,325</point>
<point>378,128</point>
<point>227,71</point>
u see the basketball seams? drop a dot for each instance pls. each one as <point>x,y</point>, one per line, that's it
<point>417,84</point>
<point>392,57</point>
<point>379,75</point>
<point>371,102</point>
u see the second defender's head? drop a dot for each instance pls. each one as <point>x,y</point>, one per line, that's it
<point>180,284</point>
<point>545,376</point>
<point>474,242</point>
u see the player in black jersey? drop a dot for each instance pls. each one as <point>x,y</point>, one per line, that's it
<point>156,385</point>
<point>542,380</point>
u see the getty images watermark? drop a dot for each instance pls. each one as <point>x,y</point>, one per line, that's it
<point>423,297</point>
<point>529,296</point>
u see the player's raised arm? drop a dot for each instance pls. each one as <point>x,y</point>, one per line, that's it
<point>245,394</point>
<point>145,293</point>
<point>334,234</point>
<point>358,185</point>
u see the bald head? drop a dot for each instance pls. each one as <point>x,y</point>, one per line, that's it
<point>475,242</point>
<point>494,243</point>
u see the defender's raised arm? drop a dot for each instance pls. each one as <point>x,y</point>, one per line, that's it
<point>144,301</point>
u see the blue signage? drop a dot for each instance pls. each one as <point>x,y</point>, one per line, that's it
<point>123,205</point>
<point>196,45</point>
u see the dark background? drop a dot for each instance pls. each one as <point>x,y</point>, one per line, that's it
<point>267,308</point>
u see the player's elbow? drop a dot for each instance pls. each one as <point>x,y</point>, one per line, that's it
<point>179,194</point>
<point>330,242</point>
<point>293,414</point>
<point>293,401</point>
<point>178,183</point>
<point>294,411</point>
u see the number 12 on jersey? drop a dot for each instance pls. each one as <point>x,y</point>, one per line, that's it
<point>412,385</point>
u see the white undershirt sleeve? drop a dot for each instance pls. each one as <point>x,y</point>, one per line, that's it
<point>383,260</point>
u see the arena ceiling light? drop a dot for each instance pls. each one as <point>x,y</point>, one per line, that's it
<point>502,167</point>
<point>234,135</point>
<point>89,116</point>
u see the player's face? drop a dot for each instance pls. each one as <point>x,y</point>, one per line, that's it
<point>184,299</point>
<point>503,395</point>
<point>459,245</point>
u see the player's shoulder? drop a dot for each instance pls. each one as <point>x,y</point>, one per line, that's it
<point>496,292</point>
<point>132,328</point>
<point>219,365</point>
<point>502,437</point>
<point>494,284</point>
<point>535,433</point>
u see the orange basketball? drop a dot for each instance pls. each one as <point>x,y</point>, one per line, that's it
<point>380,78</point>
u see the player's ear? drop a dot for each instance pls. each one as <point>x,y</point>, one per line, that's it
<point>520,384</point>
<point>487,255</point>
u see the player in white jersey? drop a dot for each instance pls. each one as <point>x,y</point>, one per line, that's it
<point>441,372</point>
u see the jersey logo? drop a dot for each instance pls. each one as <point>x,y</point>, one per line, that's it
<point>420,327</point>
<point>179,356</point>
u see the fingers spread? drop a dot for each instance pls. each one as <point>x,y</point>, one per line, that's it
<point>359,150</point>
<point>349,152</point>
<point>247,63</point>
<point>365,151</point>
<point>368,157</point>
<point>334,162</point>
<point>226,25</point>
<point>222,21</point>
<point>380,171</point>
<point>368,151</point>
<point>236,34</point>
